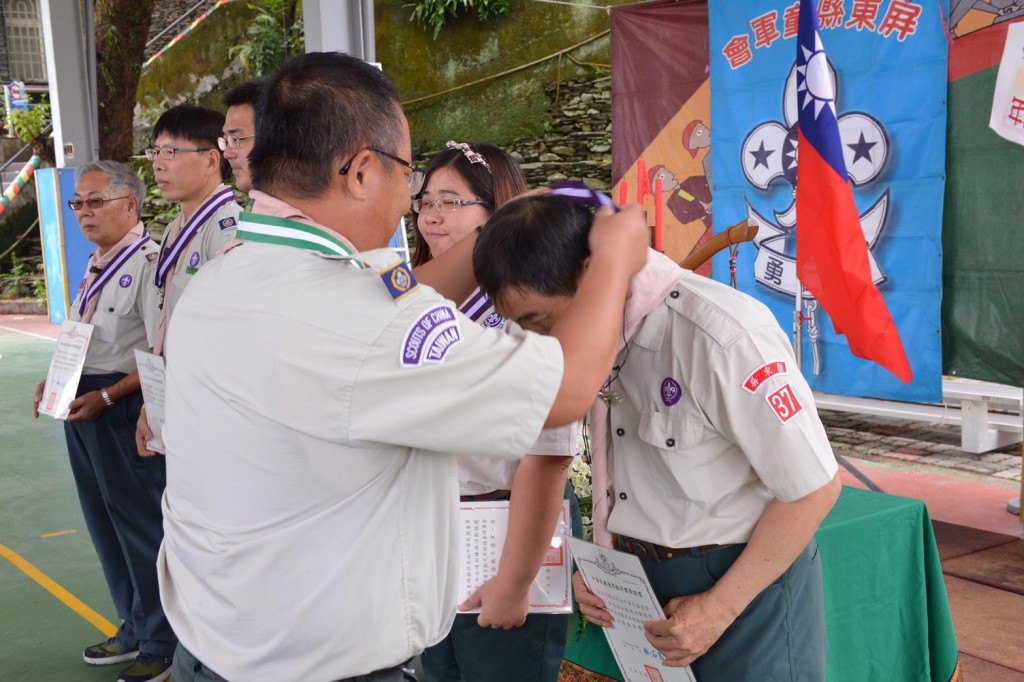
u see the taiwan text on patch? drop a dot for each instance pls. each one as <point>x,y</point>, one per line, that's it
<point>429,338</point>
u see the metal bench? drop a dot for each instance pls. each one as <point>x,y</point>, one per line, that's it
<point>989,415</point>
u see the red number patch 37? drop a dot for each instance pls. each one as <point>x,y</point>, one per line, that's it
<point>784,403</point>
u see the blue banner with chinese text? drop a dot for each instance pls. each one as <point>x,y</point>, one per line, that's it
<point>887,62</point>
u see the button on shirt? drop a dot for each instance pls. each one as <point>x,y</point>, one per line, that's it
<point>695,456</point>
<point>127,315</point>
<point>311,504</point>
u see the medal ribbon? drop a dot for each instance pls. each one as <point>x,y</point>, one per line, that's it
<point>168,257</point>
<point>108,272</point>
<point>579,193</point>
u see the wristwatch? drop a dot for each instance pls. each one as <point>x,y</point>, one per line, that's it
<point>106,397</point>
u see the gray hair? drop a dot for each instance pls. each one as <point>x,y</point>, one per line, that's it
<point>119,176</point>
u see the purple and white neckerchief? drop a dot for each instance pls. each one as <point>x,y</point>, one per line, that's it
<point>168,257</point>
<point>108,272</point>
<point>579,193</point>
<point>477,304</point>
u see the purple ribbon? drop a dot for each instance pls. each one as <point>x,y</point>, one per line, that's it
<point>168,257</point>
<point>579,193</point>
<point>108,272</point>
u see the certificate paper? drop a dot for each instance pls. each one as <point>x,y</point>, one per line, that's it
<point>65,368</point>
<point>151,376</point>
<point>484,527</point>
<point>619,580</point>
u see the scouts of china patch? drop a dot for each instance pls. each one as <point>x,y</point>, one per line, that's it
<point>762,374</point>
<point>430,337</point>
<point>228,223</point>
<point>784,403</point>
<point>399,280</point>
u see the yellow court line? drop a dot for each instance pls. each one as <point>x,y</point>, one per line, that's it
<point>58,533</point>
<point>69,600</point>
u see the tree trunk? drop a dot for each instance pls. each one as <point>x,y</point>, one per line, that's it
<point>121,30</point>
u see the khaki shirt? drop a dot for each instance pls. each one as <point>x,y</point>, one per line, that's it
<point>310,513</point>
<point>478,475</point>
<point>127,315</point>
<point>716,420</point>
<point>217,231</point>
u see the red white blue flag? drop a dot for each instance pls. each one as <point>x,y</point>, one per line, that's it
<point>831,249</point>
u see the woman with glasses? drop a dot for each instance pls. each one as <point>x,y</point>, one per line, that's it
<point>462,187</point>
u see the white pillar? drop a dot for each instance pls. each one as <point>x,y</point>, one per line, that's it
<point>339,26</point>
<point>75,132</point>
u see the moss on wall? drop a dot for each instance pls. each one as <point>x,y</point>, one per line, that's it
<point>197,69</point>
<point>504,106</point>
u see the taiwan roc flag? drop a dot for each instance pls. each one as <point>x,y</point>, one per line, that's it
<point>831,251</point>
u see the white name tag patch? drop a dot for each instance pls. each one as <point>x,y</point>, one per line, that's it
<point>430,337</point>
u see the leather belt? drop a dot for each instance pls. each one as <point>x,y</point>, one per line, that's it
<point>492,496</point>
<point>658,553</point>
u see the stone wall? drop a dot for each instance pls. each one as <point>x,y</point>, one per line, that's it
<point>577,141</point>
<point>165,12</point>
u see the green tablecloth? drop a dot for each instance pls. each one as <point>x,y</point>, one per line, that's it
<point>885,600</point>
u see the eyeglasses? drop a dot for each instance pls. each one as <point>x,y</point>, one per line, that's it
<point>414,179</point>
<point>232,141</point>
<point>93,202</point>
<point>443,205</point>
<point>169,152</point>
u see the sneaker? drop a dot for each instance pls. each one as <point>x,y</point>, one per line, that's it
<point>108,653</point>
<point>147,668</point>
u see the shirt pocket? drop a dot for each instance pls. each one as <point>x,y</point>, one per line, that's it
<point>681,468</point>
<point>118,317</point>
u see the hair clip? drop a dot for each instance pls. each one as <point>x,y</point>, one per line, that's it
<point>471,154</point>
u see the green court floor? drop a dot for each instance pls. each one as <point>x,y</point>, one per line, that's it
<point>42,533</point>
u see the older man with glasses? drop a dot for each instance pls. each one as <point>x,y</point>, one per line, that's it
<point>119,491</point>
<point>311,516</point>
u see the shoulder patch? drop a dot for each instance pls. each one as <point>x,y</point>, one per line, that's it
<point>784,403</point>
<point>399,280</point>
<point>430,337</point>
<point>762,374</point>
<point>227,223</point>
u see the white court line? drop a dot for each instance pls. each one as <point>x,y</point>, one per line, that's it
<point>20,331</point>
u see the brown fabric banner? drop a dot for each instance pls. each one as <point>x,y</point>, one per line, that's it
<point>661,113</point>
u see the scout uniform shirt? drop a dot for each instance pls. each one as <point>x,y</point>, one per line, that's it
<point>187,247</point>
<point>311,506</point>
<point>127,312</point>
<point>715,419</point>
<point>479,475</point>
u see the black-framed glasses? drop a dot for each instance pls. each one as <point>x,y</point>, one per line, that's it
<point>414,178</point>
<point>232,141</point>
<point>93,202</point>
<point>444,205</point>
<point>168,153</point>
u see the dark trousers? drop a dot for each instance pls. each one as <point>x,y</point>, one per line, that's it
<point>120,496</point>
<point>531,652</point>
<point>780,636</point>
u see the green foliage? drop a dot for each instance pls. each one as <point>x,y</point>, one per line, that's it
<point>21,282</point>
<point>436,13</point>
<point>28,125</point>
<point>155,209</point>
<point>274,35</point>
